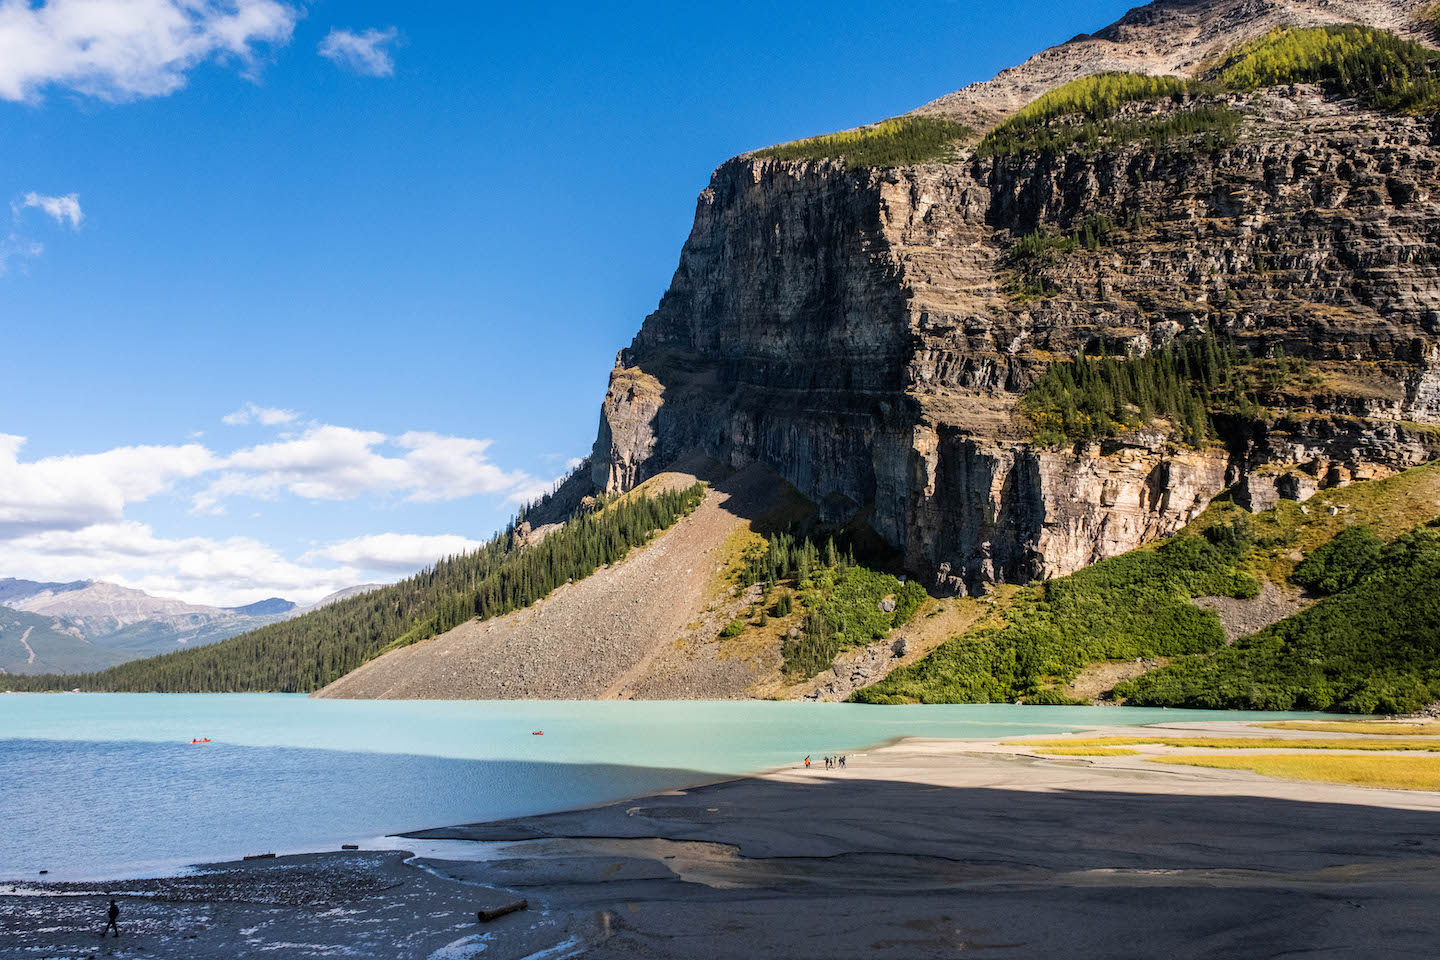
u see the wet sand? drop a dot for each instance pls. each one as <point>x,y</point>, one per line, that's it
<point>925,848</point>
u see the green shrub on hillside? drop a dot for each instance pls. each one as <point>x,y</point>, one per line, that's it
<point>841,598</point>
<point>1341,563</point>
<point>849,615</point>
<point>1136,605</point>
<point>898,142</point>
<point>1374,647</point>
<point>304,654</point>
<point>1082,115</point>
<point>1384,70</point>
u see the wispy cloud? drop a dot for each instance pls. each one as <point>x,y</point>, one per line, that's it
<point>17,248</point>
<point>327,462</point>
<point>62,210</point>
<point>394,552</point>
<point>362,51</point>
<point>250,413</point>
<point>128,49</point>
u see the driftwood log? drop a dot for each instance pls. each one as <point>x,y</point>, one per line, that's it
<point>485,916</point>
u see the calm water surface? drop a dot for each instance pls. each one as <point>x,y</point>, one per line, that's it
<point>107,785</point>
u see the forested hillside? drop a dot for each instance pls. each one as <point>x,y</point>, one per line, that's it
<point>306,653</point>
<point>1370,641</point>
<point>1371,647</point>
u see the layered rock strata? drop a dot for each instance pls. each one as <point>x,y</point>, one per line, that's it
<point>860,331</point>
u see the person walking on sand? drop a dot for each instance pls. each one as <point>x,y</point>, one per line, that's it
<point>807,763</point>
<point>842,761</point>
<point>114,915</point>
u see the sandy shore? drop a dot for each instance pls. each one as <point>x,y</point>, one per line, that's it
<point>925,848</point>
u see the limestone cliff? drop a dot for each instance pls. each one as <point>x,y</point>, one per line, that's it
<point>858,330</point>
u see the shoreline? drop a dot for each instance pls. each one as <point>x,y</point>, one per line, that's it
<point>923,846</point>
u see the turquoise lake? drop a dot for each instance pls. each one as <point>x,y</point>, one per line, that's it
<point>98,786</point>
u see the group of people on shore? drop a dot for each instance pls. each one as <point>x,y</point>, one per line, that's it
<point>831,763</point>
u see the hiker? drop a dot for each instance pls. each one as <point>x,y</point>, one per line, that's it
<point>114,914</point>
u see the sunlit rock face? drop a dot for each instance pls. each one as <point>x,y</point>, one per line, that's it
<point>858,331</point>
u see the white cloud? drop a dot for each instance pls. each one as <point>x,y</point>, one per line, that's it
<point>341,463</point>
<point>250,413</point>
<point>396,552</point>
<point>60,209</point>
<point>127,49</point>
<point>64,517</point>
<point>362,51</point>
<point>227,572</point>
<point>16,247</point>
<point>71,492</point>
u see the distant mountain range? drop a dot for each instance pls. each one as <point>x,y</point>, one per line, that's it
<point>87,625</point>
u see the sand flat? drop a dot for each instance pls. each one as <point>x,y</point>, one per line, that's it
<point>925,848</point>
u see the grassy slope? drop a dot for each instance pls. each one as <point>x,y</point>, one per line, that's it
<point>1139,605</point>
<point>890,143</point>
<point>1136,605</point>
<point>1383,70</point>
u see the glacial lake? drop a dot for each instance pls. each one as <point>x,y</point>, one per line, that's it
<point>105,786</point>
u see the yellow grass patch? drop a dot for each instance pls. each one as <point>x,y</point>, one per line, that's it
<point>1089,752</point>
<point>1384,728</point>
<point>1237,743</point>
<point>1399,773</point>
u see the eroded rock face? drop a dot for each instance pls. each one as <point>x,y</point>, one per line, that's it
<point>853,329</point>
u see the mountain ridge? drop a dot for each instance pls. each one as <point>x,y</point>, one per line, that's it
<point>106,624</point>
<point>1006,364</point>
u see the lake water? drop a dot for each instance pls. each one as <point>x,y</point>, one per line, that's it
<point>96,786</point>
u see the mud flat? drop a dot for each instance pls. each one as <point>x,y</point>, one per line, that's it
<point>919,849</point>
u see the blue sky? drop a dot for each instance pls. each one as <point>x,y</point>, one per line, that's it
<point>435,222</point>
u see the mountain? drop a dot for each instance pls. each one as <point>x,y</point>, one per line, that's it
<point>1183,268</point>
<point>109,624</point>
<point>31,644</point>
<point>880,332</point>
<point>339,595</point>
<point>273,605</point>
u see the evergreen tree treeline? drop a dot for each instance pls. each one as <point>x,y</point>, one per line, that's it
<point>842,599</point>
<point>310,651</point>
<point>1092,397</point>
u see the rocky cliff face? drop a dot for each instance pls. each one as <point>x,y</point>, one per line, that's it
<point>860,331</point>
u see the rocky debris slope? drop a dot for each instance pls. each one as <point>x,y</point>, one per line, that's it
<point>861,332</point>
<point>605,636</point>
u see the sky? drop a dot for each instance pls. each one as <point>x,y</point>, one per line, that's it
<point>295,296</point>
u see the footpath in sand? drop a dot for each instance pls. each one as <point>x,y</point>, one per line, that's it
<point>598,638</point>
<point>925,848</point>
